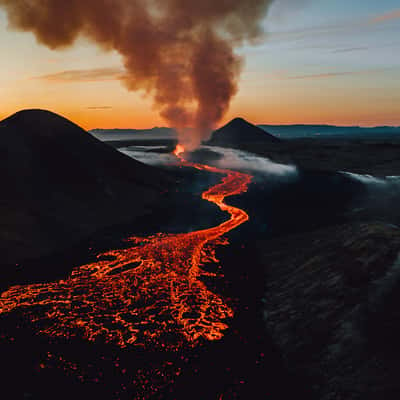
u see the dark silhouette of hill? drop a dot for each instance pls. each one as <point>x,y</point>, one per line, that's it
<point>61,184</point>
<point>239,131</point>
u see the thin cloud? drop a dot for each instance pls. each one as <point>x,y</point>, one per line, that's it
<point>84,75</point>
<point>281,75</point>
<point>350,49</point>
<point>336,49</point>
<point>334,74</point>
<point>348,25</point>
<point>395,14</point>
<point>294,35</point>
<point>100,108</point>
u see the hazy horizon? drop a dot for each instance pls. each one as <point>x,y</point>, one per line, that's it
<point>256,124</point>
<point>282,131</point>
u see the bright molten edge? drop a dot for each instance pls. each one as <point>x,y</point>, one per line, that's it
<point>148,294</point>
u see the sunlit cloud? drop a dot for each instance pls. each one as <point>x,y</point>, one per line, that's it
<point>334,74</point>
<point>346,25</point>
<point>323,75</point>
<point>99,108</point>
<point>84,75</point>
<point>351,49</point>
<point>395,14</point>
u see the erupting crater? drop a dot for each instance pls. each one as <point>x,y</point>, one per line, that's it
<point>149,294</point>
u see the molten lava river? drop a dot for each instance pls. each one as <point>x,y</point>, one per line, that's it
<point>148,295</point>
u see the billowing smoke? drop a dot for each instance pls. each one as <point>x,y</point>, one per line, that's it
<point>181,52</point>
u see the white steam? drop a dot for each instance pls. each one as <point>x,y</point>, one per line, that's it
<point>242,160</point>
<point>373,181</point>
<point>366,179</point>
<point>141,153</point>
<point>230,159</point>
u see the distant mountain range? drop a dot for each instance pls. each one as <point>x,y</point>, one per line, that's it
<point>312,131</point>
<point>280,131</point>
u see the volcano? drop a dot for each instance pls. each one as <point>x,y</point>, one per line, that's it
<point>61,184</point>
<point>240,131</point>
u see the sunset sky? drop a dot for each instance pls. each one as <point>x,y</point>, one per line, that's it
<point>326,61</point>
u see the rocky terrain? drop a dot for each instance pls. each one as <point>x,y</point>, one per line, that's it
<point>331,305</point>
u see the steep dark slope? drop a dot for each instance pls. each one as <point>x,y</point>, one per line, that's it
<point>60,184</point>
<point>239,131</point>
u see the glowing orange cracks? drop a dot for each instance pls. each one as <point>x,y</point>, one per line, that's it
<point>150,294</point>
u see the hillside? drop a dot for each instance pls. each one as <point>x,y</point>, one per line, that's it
<point>61,184</point>
<point>239,131</point>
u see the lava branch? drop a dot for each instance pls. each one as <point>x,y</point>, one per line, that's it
<point>149,294</point>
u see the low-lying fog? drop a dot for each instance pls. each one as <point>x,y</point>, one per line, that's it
<point>245,161</point>
<point>373,181</point>
<point>225,158</point>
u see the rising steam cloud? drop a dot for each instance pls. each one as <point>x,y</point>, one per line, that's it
<point>181,52</point>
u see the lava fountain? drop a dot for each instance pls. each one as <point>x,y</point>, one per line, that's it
<point>150,294</point>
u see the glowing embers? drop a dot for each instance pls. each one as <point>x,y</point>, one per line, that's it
<point>150,294</point>
<point>179,150</point>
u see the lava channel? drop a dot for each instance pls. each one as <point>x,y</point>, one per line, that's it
<point>149,295</point>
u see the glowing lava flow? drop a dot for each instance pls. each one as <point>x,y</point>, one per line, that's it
<point>150,294</point>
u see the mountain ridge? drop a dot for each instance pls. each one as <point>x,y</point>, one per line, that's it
<point>237,131</point>
<point>61,184</point>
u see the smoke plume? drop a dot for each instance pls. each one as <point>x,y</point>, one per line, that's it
<point>181,52</point>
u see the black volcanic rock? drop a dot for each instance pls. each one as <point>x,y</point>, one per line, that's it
<point>240,131</point>
<point>61,184</point>
<point>331,306</point>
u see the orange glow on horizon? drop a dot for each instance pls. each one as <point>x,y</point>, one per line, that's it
<point>276,114</point>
